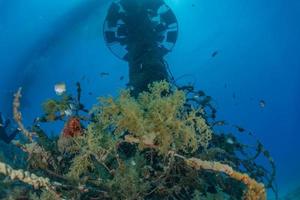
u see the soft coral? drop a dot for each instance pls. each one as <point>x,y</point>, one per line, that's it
<point>72,128</point>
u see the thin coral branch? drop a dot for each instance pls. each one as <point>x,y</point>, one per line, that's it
<point>35,148</point>
<point>255,190</point>
<point>39,182</point>
<point>26,177</point>
<point>18,115</point>
<point>32,147</point>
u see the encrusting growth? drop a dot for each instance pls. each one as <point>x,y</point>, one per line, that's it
<point>18,115</point>
<point>32,148</point>
<point>255,190</point>
<point>26,177</point>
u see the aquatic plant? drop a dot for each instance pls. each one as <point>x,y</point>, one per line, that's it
<point>158,145</point>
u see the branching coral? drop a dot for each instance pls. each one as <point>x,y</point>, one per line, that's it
<point>38,156</point>
<point>94,146</point>
<point>128,183</point>
<point>81,164</point>
<point>157,118</point>
<point>255,191</point>
<point>33,148</point>
<point>18,115</point>
<point>26,177</point>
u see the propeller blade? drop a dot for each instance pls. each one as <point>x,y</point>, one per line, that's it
<point>122,31</point>
<point>113,15</point>
<point>161,28</point>
<point>154,5</point>
<point>110,37</point>
<point>168,17</point>
<point>172,36</point>
<point>126,57</point>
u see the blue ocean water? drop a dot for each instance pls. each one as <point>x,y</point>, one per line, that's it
<point>257,44</point>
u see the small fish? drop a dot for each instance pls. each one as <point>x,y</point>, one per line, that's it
<point>240,129</point>
<point>213,115</point>
<point>193,5</point>
<point>90,93</point>
<point>206,100</point>
<point>72,106</point>
<point>102,74</point>
<point>129,87</point>
<point>262,103</point>
<point>229,141</point>
<point>201,93</point>
<point>121,78</point>
<point>220,123</point>
<point>133,163</point>
<point>68,112</point>
<point>233,95</point>
<point>60,88</point>
<point>214,54</point>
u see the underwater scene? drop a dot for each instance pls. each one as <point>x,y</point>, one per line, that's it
<point>149,99</point>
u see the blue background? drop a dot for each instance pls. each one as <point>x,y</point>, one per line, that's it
<point>258,43</point>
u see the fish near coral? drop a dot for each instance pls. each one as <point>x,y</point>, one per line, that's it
<point>72,128</point>
<point>60,88</point>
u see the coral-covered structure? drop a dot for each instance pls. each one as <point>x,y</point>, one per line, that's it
<point>156,146</point>
<point>155,141</point>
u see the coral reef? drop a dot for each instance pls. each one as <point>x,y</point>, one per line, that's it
<point>158,145</point>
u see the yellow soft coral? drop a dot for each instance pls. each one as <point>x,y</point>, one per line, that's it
<point>157,118</point>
